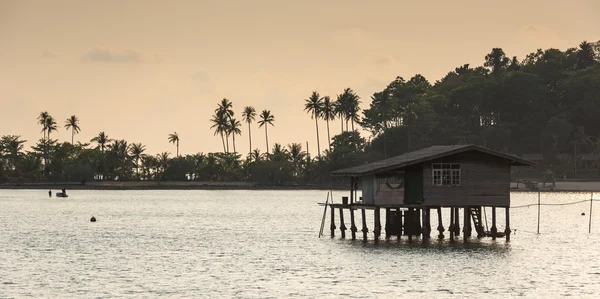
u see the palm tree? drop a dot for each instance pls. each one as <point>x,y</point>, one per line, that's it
<point>266,118</point>
<point>338,107</point>
<point>102,140</point>
<point>163,162</point>
<point>234,129</point>
<point>174,138</point>
<point>225,110</point>
<point>136,150</point>
<point>255,155</point>
<point>248,115</point>
<point>73,124</point>
<point>296,155</point>
<point>328,113</point>
<point>51,125</point>
<point>220,125</point>
<point>42,118</point>
<point>314,105</point>
<point>352,106</point>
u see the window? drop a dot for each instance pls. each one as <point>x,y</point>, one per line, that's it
<point>446,174</point>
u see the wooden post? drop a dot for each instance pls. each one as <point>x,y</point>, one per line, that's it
<point>466,224</point>
<point>507,230</point>
<point>426,230</point>
<point>451,227</point>
<point>440,227</point>
<point>591,204</point>
<point>494,228</point>
<point>377,229</point>
<point>365,230</point>
<point>401,224</point>
<point>332,226</point>
<point>538,212</point>
<point>418,225</point>
<point>388,227</point>
<point>409,223</point>
<point>353,228</point>
<point>456,221</point>
<point>342,225</point>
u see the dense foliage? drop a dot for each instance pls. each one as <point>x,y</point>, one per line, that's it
<point>547,103</point>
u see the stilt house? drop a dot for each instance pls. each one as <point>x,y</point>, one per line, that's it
<point>453,176</point>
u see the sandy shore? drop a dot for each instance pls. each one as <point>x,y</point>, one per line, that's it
<point>167,185</point>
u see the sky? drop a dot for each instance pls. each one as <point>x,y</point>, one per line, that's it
<point>142,69</point>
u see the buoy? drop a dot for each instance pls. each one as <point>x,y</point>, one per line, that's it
<point>93,219</point>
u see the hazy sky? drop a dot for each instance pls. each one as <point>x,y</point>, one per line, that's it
<point>139,70</point>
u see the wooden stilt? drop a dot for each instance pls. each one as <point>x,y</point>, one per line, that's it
<point>409,224</point>
<point>467,225</point>
<point>353,228</point>
<point>401,224</point>
<point>507,230</point>
<point>451,228</point>
<point>377,229</point>
<point>425,230</point>
<point>494,228</point>
<point>456,221</point>
<point>388,227</point>
<point>342,225</point>
<point>365,229</point>
<point>418,225</point>
<point>440,227</point>
<point>332,226</point>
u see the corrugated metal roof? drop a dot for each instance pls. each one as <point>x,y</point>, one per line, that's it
<point>423,155</point>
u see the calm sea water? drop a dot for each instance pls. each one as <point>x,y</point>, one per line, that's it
<point>263,244</point>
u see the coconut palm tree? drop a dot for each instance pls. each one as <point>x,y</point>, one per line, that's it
<point>73,124</point>
<point>163,162</point>
<point>174,138</point>
<point>338,107</point>
<point>220,125</point>
<point>51,126</point>
<point>266,118</point>
<point>255,155</point>
<point>102,140</point>
<point>296,156</point>
<point>234,129</point>
<point>136,150</point>
<point>225,110</point>
<point>328,113</point>
<point>42,119</point>
<point>350,103</point>
<point>248,115</point>
<point>314,105</point>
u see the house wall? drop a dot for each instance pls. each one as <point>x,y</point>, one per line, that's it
<point>485,181</point>
<point>384,195</point>
<point>369,188</point>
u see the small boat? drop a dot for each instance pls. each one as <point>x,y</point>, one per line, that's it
<point>62,194</point>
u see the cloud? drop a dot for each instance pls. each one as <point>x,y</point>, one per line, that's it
<point>49,55</point>
<point>106,55</point>
<point>381,60</point>
<point>202,82</point>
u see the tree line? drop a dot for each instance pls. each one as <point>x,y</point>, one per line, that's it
<point>547,103</point>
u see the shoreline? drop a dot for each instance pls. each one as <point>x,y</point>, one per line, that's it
<point>168,185</point>
<point>561,186</point>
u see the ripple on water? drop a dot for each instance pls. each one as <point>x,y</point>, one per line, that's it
<point>263,244</point>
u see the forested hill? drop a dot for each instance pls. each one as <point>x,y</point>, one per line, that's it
<point>544,103</point>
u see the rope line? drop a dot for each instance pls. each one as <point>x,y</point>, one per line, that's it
<point>554,204</point>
